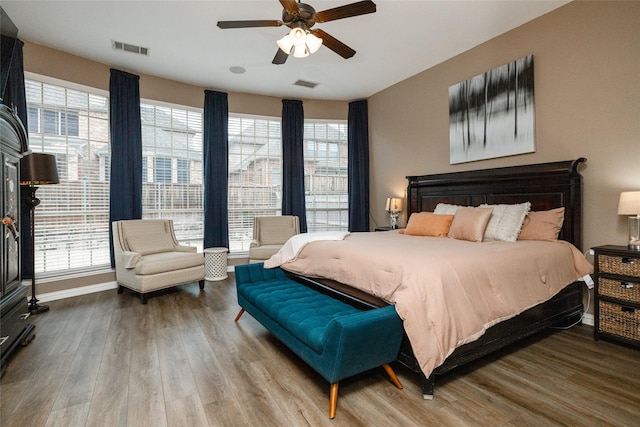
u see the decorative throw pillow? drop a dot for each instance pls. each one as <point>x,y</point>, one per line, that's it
<point>428,224</point>
<point>446,209</point>
<point>542,225</point>
<point>470,223</point>
<point>150,243</point>
<point>506,221</point>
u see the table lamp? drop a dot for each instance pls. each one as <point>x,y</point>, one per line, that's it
<point>629,204</point>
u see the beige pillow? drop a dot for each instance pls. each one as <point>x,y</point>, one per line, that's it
<point>470,223</point>
<point>428,224</point>
<point>542,225</point>
<point>150,243</point>
<point>506,221</point>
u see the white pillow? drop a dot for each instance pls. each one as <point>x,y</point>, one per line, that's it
<point>506,221</point>
<point>446,209</point>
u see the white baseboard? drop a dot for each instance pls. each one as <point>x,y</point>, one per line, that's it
<point>74,292</point>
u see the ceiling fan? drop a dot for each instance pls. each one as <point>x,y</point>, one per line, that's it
<point>300,17</point>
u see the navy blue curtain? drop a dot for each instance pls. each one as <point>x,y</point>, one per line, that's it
<point>125,192</point>
<point>216,169</point>
<point>14,92</point>
<point>14,96</point>
<point>293,161</point>
<point>358,141</point>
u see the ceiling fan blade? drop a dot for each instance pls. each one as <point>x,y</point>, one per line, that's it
<point>346,11</point>
<point>290,6</point>
<point>248,24</point>
<point>334,44</point>
<point>280,58</point>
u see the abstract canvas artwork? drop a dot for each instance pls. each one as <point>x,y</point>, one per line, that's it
<point>492,114</point>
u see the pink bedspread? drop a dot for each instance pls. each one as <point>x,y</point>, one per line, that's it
<point>448,292</point>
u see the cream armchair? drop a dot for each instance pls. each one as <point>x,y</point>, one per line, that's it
<point>148,257</point>
<point>269,234</point>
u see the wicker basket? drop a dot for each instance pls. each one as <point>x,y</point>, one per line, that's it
<point>627,291</point>
<point>624,323</point>
<point>625,266</point>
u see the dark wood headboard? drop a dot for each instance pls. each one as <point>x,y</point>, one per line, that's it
<point>545,185</point>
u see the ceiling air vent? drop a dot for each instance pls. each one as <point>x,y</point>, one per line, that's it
<point>305,83</point>
<point>130,48</point>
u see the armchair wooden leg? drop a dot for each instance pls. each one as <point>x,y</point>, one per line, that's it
<point>392,375</point>
<point>143,298</point>
<point>120,288</point>
<point>333,400</point>
<point>201,283</point>
<point>239,314</point>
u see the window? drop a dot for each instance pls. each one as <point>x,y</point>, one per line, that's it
<point>53,122</point>
<point>172,169</point>
<point>72,220</point>
<point>326,176</point>
<point>255,183</point>
<point>162,170</point>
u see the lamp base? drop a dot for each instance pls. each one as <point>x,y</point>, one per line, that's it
<point>35,308</point>
<point>634,246</point>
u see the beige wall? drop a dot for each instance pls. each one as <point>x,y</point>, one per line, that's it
<point>587,104</point>
<point>64,66</point>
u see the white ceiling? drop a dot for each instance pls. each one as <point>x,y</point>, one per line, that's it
<point>401,39</point>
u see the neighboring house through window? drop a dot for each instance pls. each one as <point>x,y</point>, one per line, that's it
<point>72,220</point>
<point>172,168</point>
<point>255,178</point>
<point>326,175</point>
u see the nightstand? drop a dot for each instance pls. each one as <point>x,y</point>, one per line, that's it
<point>617,294</point>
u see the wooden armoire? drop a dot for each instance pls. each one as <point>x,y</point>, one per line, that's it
<point>15,329</point>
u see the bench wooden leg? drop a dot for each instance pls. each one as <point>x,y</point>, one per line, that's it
<point>392,375</point>
<point>333,400</point>
<point>239,314</point>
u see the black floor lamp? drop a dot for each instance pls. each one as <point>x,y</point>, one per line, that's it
<point>36,169</point>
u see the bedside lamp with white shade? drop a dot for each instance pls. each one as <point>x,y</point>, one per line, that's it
<point>629,204</point>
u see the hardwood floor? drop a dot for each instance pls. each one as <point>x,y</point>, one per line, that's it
<point>106,360</point>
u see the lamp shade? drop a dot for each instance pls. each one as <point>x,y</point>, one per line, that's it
<point>629,203</point>
<point>38,169</point>
<point>313,43</point>
<point>394,204</point>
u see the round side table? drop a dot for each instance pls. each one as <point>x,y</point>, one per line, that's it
<point>215,264</point>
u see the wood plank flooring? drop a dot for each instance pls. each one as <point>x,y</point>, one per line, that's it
<point>106,360</point>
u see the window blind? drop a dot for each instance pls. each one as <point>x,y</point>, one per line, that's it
<point>71,222</point>
<point>255,177</point>
<point>172,175</point>
<point>326,176</point>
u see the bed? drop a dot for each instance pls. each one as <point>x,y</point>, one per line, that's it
<point>545,186</point>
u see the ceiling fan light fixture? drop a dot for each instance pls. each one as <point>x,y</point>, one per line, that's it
<point>285,44</point>
<point>300,43</point>
<point>313,43</point>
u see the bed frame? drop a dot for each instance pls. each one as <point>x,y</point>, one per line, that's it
<point>546,186</point>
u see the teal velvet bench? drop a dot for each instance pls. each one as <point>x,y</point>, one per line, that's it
<point>336,339</point>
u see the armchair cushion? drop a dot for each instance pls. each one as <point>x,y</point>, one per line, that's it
<point>264,251</point>
<point>168,261</point>
<point>146,244</point>
<point>270,233</point>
